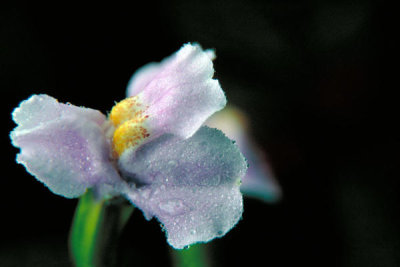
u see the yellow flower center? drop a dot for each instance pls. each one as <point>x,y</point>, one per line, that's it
<point>128,118</point>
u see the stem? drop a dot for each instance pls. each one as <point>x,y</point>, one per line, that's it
<point>95,230</point>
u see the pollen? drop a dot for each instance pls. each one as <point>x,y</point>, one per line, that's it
<point>125,110</point>
<point>128,117</point>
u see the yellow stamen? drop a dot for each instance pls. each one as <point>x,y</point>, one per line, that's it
<point>128,134</point>
<point>127,109</point>
<point>128,118</point>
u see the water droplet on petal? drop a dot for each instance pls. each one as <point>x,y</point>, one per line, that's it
<point>173,207</point>
<point>172,163</point>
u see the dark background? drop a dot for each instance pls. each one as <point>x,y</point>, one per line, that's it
<point>312,75</point>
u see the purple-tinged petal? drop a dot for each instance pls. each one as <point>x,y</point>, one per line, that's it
<point>63,146</point>
<point>190,185</point>
<point>259,181</point>
<point>179,93</point>
<point>142,77</point>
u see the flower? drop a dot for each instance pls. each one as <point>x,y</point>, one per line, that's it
<point>152,148</point>
<point>259,181</point>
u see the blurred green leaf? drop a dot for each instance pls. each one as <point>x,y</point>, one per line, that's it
<point>194,256</point>
<point>95,230</point>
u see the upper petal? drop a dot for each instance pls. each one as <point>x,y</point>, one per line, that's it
<point>191,185</point>
<point>63,146</point>
<point>179,92</point>
<point>142,77</point>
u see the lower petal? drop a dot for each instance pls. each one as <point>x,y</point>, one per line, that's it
<point>192,186</point>
<point>193,214</point>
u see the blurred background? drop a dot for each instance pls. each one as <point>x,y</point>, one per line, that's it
<point>311,75</point>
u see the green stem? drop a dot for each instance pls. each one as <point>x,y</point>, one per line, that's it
<point>95,230</point>
<point>195,256</point>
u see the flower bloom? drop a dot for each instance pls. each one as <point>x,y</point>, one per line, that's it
<point>152,148</point>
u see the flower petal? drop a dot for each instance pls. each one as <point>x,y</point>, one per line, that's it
<point>179,92</point>
<point>259,181</point>
<point>63,146</point>
<point>142,77</point>
<point>190,185</point>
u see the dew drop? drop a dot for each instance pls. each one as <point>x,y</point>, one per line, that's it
<point>172,163</point>
<point>173,206</point>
